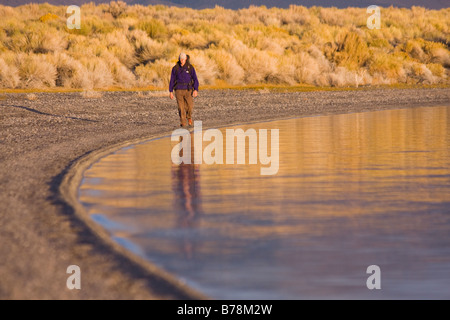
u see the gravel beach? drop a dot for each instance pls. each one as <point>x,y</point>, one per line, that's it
<point>42,135</point>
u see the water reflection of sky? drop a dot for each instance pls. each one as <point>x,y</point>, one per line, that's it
<point>352,190</point>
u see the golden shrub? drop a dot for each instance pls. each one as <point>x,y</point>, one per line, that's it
<point>48,17</point>
<point>133,45</point>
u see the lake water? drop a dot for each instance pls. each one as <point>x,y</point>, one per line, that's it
<point>352,190</point>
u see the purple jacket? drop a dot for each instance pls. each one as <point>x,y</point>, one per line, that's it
<point>182,77</point>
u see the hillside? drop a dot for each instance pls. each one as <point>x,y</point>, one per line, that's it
<point>136,46</point>
<point>239,4</point>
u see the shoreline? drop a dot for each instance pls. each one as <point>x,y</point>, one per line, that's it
<point>274,88</point>
<point>47,144</point>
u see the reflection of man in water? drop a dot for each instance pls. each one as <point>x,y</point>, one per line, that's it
<point>186,187</point>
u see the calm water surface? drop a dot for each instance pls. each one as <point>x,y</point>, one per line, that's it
<point>352,191</point>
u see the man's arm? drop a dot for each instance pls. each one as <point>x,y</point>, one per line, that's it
<point>172,80</point>
<point>194,77</point>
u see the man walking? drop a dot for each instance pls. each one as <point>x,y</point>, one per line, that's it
<point>183,80</point>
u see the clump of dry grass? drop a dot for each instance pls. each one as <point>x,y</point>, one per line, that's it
<point>127,46</point>
<point>147,49</point>
<point>9,75</point>
<point>116,8</point>
<point>205,67</point>
<point>154,74</point>
<point>98,72</point>
<point>35,71</point>
<point>71,73</point>
<point>350,51</point>
<point>228,68</point>
<point>122,75</point>
<point>117,44</point>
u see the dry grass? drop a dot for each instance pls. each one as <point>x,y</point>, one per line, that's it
<point>9,75</point>
<point>35,71</point>
<point>122,46</point>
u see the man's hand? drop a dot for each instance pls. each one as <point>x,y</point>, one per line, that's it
<point>195,93</point>
<point>171,96</point>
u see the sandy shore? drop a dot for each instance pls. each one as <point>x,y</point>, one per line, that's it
<point>43,139</point>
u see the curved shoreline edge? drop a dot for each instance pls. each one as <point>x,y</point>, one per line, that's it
<point>68,190</point>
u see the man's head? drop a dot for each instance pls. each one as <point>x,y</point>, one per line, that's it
<point>183,58</point>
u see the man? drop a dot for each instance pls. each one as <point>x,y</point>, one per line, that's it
<point>184,79</point>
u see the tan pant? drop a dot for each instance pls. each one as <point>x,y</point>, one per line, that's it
<point>185,103</point>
